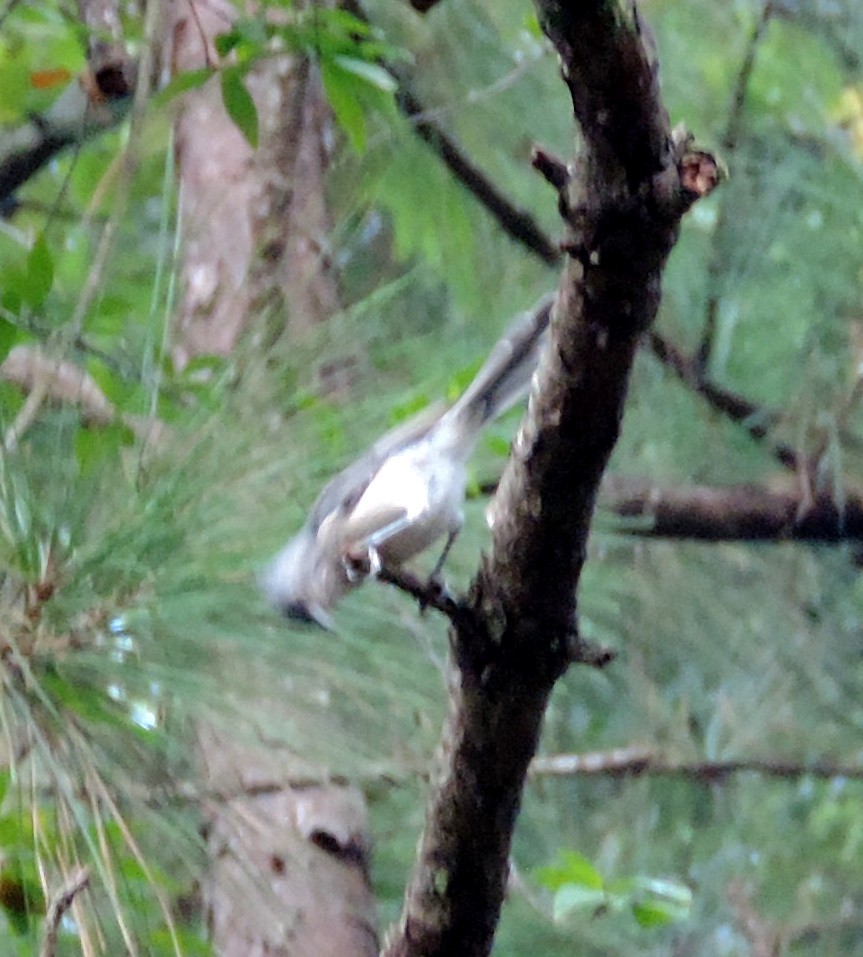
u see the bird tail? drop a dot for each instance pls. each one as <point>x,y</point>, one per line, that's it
<point>505,376</point>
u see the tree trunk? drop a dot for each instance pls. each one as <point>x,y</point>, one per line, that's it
<point>289,870</point>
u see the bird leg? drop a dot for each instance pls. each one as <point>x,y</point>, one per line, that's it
<point>450,541</point>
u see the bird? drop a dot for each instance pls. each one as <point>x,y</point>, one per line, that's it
<point>404,493</point>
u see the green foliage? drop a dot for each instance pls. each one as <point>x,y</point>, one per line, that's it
<point>240,105</point>
<point>347,49</point>
<point>578,887</point>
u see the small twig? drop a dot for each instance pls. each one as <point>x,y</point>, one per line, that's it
<point>60,904</point>
<point>585,652</point>
<point>552,169</point>
<point>29,411</point>
<point>730,141</point>
<point>429,594</point>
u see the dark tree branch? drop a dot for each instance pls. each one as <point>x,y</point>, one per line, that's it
<point>429,594</point>
<point>523,228</point>
<point>729,144</point>
<point>515,222</point>
<point>754,418</point>
<point>623,206</point>
<point>94,102</point>
<point>636,761</point>
<point>737,513</point>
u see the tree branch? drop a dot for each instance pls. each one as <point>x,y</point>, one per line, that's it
<point>42,377</point>
<point>754,418</point>
<point>637,761</point>
<point>739,513</point>
<point>515,222</point>
<point>623,209</point>
<point>90,104</point>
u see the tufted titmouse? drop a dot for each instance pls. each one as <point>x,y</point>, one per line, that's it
<point>406,491</point>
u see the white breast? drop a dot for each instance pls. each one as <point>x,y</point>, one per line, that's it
<point>417,493</point>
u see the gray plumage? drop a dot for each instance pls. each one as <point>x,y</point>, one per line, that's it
<point>407,491</point>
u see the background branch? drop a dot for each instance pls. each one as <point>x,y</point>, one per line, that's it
<point>739,513</point>
<point>640,760</point>
<point>63,381</point>
<point>737,408</point>
<point>729,143</point>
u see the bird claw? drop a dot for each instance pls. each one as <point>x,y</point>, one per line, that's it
<point>435,589</point>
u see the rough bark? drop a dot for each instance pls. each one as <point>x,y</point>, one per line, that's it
<point>255,222</point>
<point>214,166</point>
<point>517,633</point>
<point>291,276</point>
<point>290,865</point>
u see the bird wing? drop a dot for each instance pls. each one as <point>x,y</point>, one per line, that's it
<point>342,493</point>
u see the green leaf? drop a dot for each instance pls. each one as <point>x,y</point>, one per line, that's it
<point>126,396</point>
<point>343,22</point>
<point>497,444</point>
<point>182,83</point>
<point>573,868</point>
<point>657,913</point>
<point>240,105</point>
<point>8,337</point>
<point>39,272</point>
<point>225,42</point>
<point>371,73</point>
<point>573,897</point>
<point>93,446</point>
<point>339,85</point>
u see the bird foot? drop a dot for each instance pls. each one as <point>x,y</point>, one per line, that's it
<point>361,562</point>
<point>435,592</point>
